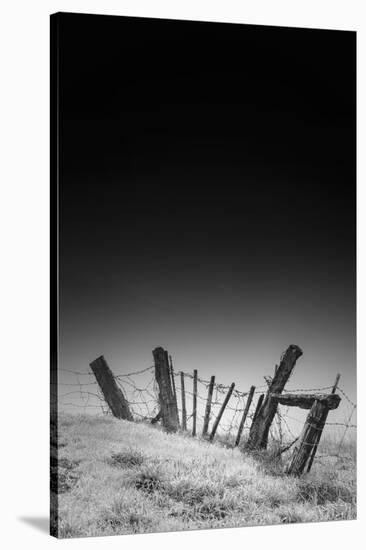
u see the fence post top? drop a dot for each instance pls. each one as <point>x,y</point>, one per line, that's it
<point>158,349</point>
<point>296,350</point>
<point>97,359</point>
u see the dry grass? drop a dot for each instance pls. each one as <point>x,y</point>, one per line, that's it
<point>124,478</point>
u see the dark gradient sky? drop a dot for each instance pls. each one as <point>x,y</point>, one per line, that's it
<point>207,197</point>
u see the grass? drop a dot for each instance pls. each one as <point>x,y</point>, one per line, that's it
<point>118,477</point>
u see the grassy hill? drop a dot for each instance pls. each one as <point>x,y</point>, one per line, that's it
<point>117,477</point>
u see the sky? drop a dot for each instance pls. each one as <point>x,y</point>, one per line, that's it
<point>207,198</point>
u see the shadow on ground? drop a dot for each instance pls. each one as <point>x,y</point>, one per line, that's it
<point>41,523</point>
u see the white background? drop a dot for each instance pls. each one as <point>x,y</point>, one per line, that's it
<point>24,285</point>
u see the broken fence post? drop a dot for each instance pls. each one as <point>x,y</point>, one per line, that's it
<point>315,448</point>
<point>194,413</point>
<point>258,435</point>
<point>168,405</point>
<point>221,412</point>
<point>309,437</point>
<point>304,453</point>
<point>306,400</point>
<point>113,395</point>
<point>208,406</point>
<point>245,414</point>
<point>184,410</point>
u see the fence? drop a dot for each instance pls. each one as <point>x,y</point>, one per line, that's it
<point>212,410</point>
<point>84,393</point>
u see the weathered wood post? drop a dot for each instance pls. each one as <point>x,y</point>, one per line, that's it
<point>258,435</point>
<point>173,383</point>
<point>258,407</point>
<point>245,414</point>
<point>112,393</point>
<point>194,412</point>
<point>184,410</point>
<point>208,406</point>
<point>320,431</point>
<point>309,438</point>
<point>168,406</point>
<point>221,412</point>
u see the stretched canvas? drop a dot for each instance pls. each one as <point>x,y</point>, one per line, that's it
<point>203,339</point>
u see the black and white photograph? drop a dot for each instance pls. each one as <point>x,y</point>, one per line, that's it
<point>203,275</point>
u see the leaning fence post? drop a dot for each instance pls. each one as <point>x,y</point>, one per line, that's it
<point>173,383</point>
<point>258,407</point>
<point>308,438</point>
<point>194,429</point>
<point>184,410</point>
<point>258,435</point>
<point>208,406</point>
<point>245,414</point>
<point>111,392</point>
<point>320,431</point>
<point>168,406</point>
<point>311,433</point>
<point>221,412</point>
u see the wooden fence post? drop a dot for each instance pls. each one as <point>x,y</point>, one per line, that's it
<point>308,438</point>
<point>168,406</point>
<point>258,435</point>
<point>194,429</point>
<point>304,453</point>
<point>221,412</point>
<point>208,406</point>
<point>245,414</point>
<point>111,392</point>
<point>173,384</point>
<point>320,431</point>
<point>258,407</point>
<point>184,410</point>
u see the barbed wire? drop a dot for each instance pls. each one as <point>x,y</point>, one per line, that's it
<point>308,389</point>
<point>141,391</point>
<point>135,373</point>
<point>346,396</point>
<point>76,372</point>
